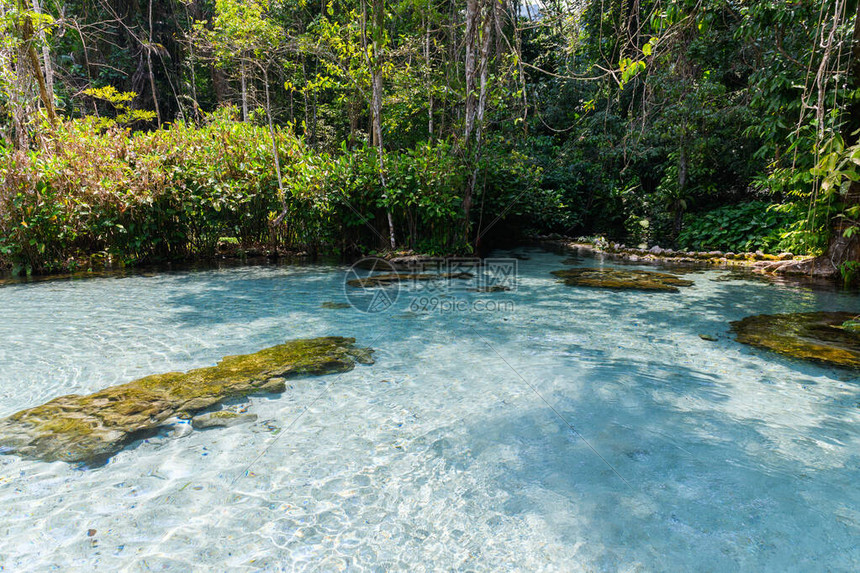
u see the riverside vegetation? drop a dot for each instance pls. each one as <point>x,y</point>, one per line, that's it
<point>159,131</point>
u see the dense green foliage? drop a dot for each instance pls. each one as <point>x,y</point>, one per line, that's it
<point>176,192</point>
<point>147,131</point>
<point>741,228</point>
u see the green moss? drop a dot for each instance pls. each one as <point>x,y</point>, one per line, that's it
<point>68,425</point>
<point>619,279</point>
<point>224,415</point>
<point>815,336</point>
<point>84,428</point>
<point>329,305</point>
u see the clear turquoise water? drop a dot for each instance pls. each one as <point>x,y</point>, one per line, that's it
<point>453,451</point>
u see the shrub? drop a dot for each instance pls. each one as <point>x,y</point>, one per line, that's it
<point>145,196</point>
<point>739,228</point>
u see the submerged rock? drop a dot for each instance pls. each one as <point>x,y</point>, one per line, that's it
<point>622,279</point>
<point>491,288</point>
<point>91,428</point>
<point>394,278</point>
<point>331,305</point>
<point>816,336</point>
<point>221,419</point>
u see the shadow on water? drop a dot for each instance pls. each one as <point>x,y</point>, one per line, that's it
<point>218,298</point>
<point>711,486</point>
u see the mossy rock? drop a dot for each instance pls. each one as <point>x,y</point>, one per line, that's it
<point>816,336</point>
<point>621,279</point>
<point>221,419</point>
<point>389,279</point>
<point>91,428</point>
<point>331,305</point>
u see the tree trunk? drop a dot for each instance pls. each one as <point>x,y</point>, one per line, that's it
<point>46,54</point>
<point>19,135</point>
<point>219,84</point>
<point>149,49</point>
<point>481,29</point>
<point>244,83</point>
<point>272,133</point>
<point>281,195</point>
<point>485,74</point>
<point>473,11</point>
<point>152,85</point>
<point>377,38</point>
<point>305,96</point>
<point>682,186</point>
<point>27,36</point>
<point>428,79</point>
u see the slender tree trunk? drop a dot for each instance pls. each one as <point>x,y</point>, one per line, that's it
<point>682,185</point>
<point>485,74</point>
<point>476,105</point>
<point>46,53</point>
<point>192,12</point>
<point>473,11</point>
<point>292,107</point>
<point>305,96</point>
<point>152,85</point>
<point>219,84</point>
<point>518,43</point>
<point>149,49</point>
<point>28,39</point>
<point>12,62</point>
<point>244,83</point>
<point>272,133</point>
<point>275,154</point>
<point>428,79</point>
<point>353,110</point>
<point>377,38</point>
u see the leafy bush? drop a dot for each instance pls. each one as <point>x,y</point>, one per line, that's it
<point>178,192</point>
<point>147,196</point>
<point>739,228</point>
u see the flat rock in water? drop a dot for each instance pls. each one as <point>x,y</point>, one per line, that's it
<point>331,305</point>
<point>91,428</point>
<point>395,278</point>
<point>824,337</point>
<point>221,419</point>
<point>621,279</point>
<point>491,288</point>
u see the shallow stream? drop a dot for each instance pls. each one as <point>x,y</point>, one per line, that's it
<point>546,428</point>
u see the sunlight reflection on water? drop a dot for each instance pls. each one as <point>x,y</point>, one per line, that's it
<point>443,454</point>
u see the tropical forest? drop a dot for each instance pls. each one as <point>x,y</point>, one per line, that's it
<point>429,285</point>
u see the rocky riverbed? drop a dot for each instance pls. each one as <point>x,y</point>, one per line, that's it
<point>91,428</point>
